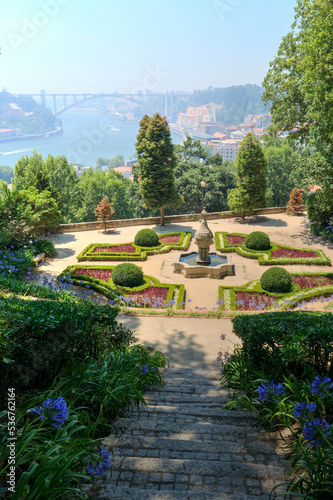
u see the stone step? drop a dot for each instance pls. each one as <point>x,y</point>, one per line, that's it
<point>189,380</point>
<point>191,472</point>
<point>186,399</point>
<point>111,492</point>
<point>209,391</point>
<point>179,413</point>
<point>185,449</point>
<point>205,431</point>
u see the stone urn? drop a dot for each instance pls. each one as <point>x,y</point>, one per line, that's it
<point>203,238</point>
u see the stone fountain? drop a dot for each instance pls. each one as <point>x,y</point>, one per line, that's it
<point>203,263</point>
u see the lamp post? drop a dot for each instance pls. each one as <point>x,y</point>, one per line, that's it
<point>203,185</point>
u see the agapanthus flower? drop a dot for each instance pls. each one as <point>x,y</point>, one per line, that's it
<point>269,391</point>
<point>104,465</point>
<point>320,385</point>
<point>315,431</point>
<point>303,410</point>
<point>54,409</point>
<point>143,369</point>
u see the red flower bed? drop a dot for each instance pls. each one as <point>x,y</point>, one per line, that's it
<point>116,249</point>
<point>311,281</point>
<point>296,254</point>
<point>149,296</point>
<point>101,274</point>
<point>235,240</point>
<point>171,238</point>
<point>248,301</point>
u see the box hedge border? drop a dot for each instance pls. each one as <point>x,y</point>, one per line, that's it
<point>111,291</point>
<point>254,286</point>
<point>140,252</point>
<point>264,256</point>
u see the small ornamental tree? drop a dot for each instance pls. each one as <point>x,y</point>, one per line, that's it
<point>295,201</point>
<point>251,164</point>
<point>157,162</point>
<point>104,212</point>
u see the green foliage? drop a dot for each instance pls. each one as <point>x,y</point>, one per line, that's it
<point>251,165</point>
<point>6,173</point>
<point>128,275</point>
<point>319,211</point>
<point>45,246</point>
<point>257,241</point>
<point>39,337</point>
<point>276,279</point>
<point>267,338</point>
<point>146,238</point>
<point>157,161</point>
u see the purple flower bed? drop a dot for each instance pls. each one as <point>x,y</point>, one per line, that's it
<point>235,240</point>
<point>171,238</point>
<point>150,296</point>
<point>311,281</point>
<point>116,249</point>
<point>296,254</point>
<point>247,301</point>
<point>101,274</point>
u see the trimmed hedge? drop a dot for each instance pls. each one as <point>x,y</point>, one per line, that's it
<point>257,241</point>
<point>128,275</point>
<point>266,339</point>
<point>146,238</point>
<point>140,254</point>
<point>283,300</point>
<point>264,256</point>
<point>276,280</point>
<point>111,291</point>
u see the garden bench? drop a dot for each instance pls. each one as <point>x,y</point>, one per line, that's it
<point>39,258</point>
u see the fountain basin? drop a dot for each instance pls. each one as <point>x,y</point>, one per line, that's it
<point>220,265</point>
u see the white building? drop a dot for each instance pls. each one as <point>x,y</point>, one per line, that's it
<point>227,149</point>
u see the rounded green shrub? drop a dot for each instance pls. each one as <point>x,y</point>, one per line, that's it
<point>276,279</point>
<point>257,241</point>
<point>146,238</point>
<point>128,275</point>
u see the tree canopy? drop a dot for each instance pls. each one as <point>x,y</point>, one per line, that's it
<point>157,161</point>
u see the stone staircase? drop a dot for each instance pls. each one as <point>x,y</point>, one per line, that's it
<point>183,445</point>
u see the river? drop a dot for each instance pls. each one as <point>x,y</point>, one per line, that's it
<point>87,136</point>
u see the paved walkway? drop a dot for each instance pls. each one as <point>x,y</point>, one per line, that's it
<point>183,445</point>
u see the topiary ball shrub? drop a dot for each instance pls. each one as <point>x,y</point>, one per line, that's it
<point>128,275</point>
<point>147,238</point>
<point>257,241</point>
<point>276,280</point>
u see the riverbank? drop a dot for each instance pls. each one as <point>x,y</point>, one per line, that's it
<point>57,131</point>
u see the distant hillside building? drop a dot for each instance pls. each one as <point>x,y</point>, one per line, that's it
<point>227,149</point>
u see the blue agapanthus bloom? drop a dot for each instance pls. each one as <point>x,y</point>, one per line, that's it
<point>269,391</point>
<point>302,411</point>
<point>54,409</point>
<point>104,465</point>
<point>143,369</point>
<point>320,385</point>
<point>315,431</point>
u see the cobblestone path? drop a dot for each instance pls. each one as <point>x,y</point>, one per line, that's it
<point>183,445</point>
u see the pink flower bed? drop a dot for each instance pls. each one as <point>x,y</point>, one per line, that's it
<point>311,281</point>
<point>171,238</point>
<point>116,249</point>
<point>101,274</point>
<point>296,254</point>
<point>235,240</point>
<point>149,295</point>
<point>247,301</point>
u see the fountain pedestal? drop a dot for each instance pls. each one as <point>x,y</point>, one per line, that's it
<point>203,238</point>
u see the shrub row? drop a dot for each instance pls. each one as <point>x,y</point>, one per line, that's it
<point>111,291</point>
<point>140,251</point>
<point>264,257</point>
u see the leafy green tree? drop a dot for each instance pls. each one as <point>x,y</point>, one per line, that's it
<point>157,162</point>
<point>191,150</point>
<point>299,84</point>
<point>116,161</point>
<point>251,165</point>
<point>6,173</point>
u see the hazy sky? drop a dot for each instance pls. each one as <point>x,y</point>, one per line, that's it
<point>125,45</point>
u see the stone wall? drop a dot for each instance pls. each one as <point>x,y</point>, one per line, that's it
<point>169,219</point>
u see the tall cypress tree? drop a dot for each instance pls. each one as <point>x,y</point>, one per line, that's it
<point>157,161</point>
<point>251,166</point>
